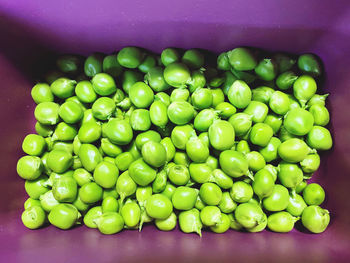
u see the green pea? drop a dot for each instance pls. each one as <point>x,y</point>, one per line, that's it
<point>82,176</point>
<point>311,163</point>
<point>308,63</point>
<point>286,80</point>
<point>221,135</point>
<point>274,121</point>
<point>41,92</point>
<point>233,222</point>
<point>177,74</point>
<point>233,163</point>
<point>154,153</point>
<point>64,132</point>
<point>222,226</point>
<point>43,130</point>
<point>111,66</point>
<point>91,215</point>
<point>52,75</point>
<point>320,114</point>
<point>160,182</point>
<point>218,177</point>
<point>227,205</point>
<point>130,57</point>
<point>131,214</point>
<point>313,194</point>
<point>239,94</point>
<point>262,94</point>
<point>48,201</point>
<point>140,120</point>
<point>179,94</point>
<point>218,97</point>
<point>119,131</point>
<point>279,102</point>
<point>290,175</point>
<point>304,88</point>
<point>163,97</point>
<point>196,150</point>
<point>179,174</point>
<point>167,224</point>
<point>272,170</point>
<point>33,217</point>
<point>169,148</point>
<point>109,223</point>
<point>54,176</point>
<point>200,172</point>
<point>141,172</point>
<point>31,202</point>
<point>281,222</point>
<point>199,203</point>
<point>202,98</point>
<point>65,189</point>
<point>154,78</point>
<point>47,113</point>
<point>278,200</point>
<point>317,99</point>
<point>184,198</point>
<point>210,193</point>
<point>108,159</point>
<point>257,110</point>
<point>109,148</point>
<point>89,156</point>
<point>229,79</point>
<point>256,161</point>
<point>223,61</point>
<point>103,108</point>
<point>159,206</point>
<point>109,204</point>
<point>106,174</point>
<point>63,87</point>
<point>300,187</point>
<point>210,215</point>
<point>148,63</point>
<point>198,80</point>
<point>169,55</point>
<point>190,221</point>
<point>103,84</point>
<point>293,150</point>
<point>64,216</point>
<point>180,112</point>
<point>249,215</point>
<point>123,161</point>
<point>35,188</point>
<point>93,64</point>
<point>241,123</point>
<point>90,193</point>
<point>241,192</point>
<point>33,144</point>
<point>242,59</point>
<point>270,151</point>
<point>141,95</point>
<point>85,91</point>
<point>158,114</point>
<point>193,59</point>
<point>319,138</point>
<point>284,135</point>
<point>284,61</point>
<point>80,205</point>
<point>261,134</point>
<point>76,100</point>
<point>263,183</point>
<point>315,219</point>
<point>260,226</point>
<point>59,161</point>
<point>266,69</point>
<point>110,192</point>
<point>225,110</point>
<point>298,121</point>
<point>296,205</point>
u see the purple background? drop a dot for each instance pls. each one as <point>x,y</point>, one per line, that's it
<point>31,30</point>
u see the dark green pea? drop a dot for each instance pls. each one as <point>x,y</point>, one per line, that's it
<point>68,64</point>
<point>163,97</point>
<point>247,77</point>
<point>196,150</point>
<point>103,108</point>
<point>311,163</point>
<point>279,102</point>
<point>267,69</point>
<point>298,121</point>
<point>239,94</point>
<point>179,94</point>
<point>177,75</point>
<point>44,130</point>
<point>93,64</point>
<point>124,160</point>
<point>284,61</point>
<point>262,94</point>
<point>90,193</point>
<point>41,92</point>
<point>304,88</point>
<point>119,131</point>
<point>293,150</point>
<point>221,135</point>
<point>167,224</point>
<point>180,112</point>
<point>65,189</point>
<point>296,205</point>
<point>241,123</point>
<point>47,113</point>
<point>33,144</point>
<point>52,75</point>
<point>141,95</point>
<point>281,222</point>
<point>221,179</point>
<point>31,202</point>
<point>216,81</point>
<point>317,99</point>
<point>278,200</point>
<point>197,81</point>
<point>190,222</point>
<point>125,186</point>
<point>154,153</point>
<point>63,87</point>
<point>308,63</point>
<point>320,114</point>
<point>179,174</point>
<point>147,136</point>
<point>103,84</point>
<point>274,121</point>
<point>229,79</point>
<point>33,217</point>
<point>89,132</point>
<point>148,63</point>
<point>155,79</point>
<point>130,78</point>
<point>270,151</point>
<point>243,147</point>
<point>90,217</point>
<point>313,194</point>
<point>315,219</point>
<point>70,112</point>
<point>106,174</point>
<point>110,223</point>
<point>261,134</point>
<point>319,138</point>
<point>89,156</point>
<point>160,182</point>
<point>130,57</point>
<point>256,161</point>
<point>140,120</point>
<point>242,59</point>
<point>223,62</point>
<point>212,162</point>
<point>286,80</point>
<point>193,59</point>
<point>35,188</point>
<point>233,163</point>
<point>85,91</point>
<point>118,96</point>
<point>257,110</point>
<point>141,172</point>
<point>225,110</point>
<point>169,148</point>
<point>290,175</point>
<point>200,172</point>
<point>169,55</point>
<point>111,66</point>
<point>202,98</point>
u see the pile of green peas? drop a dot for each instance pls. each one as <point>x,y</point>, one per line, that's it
<point>135,137</point>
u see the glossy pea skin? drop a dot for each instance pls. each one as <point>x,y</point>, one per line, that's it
<point>148,63</point>
<point>179,94</point>
<point>304,88</point>
<point>261,134</point>
<point>144,137</point>
<point>158,113</point>
<point>140,120</point>
<point>63,132</point>
<point>233,163</point>
<point>318,99</point>
<point>255,160</point>
<point>225,110</point>
<point>184,198</point>
<point>141,172</point>
<point>223,61</point>
<point>315,219</point>
<point>47,113</point>
<point>59,161</point>
<point>35,188</point>
<point>193,58</point>
<point>286,80</point>
<point>218,96</point>
<point>111,66</point>
<point>270,151</point>
<point>91,215</point>
<point>239,94</point>
<point>123,160</point>
<point>241,123</point>
<point>110,192</point>
<point>130,57</point>
<point>293,150</point>
<point>63,87</point>
<point>278,200</point>
<point>48,201</point>
<point>221,135</point>
<point>196,150</point>
<point>160,182</point>
<point>110,223</point>
<point>257,110</point>
<point>106,174</point>
<point>296,205</point>
<point>93,64</point>
<point>249,215</point>
<point>241,192</point>
<point>285,135</point>
<point>89,156</point>
<point>177,74</point>
<point>220,178</point>
<point>85,91</point>
<point>169,148</point>
<point>155,79</point>
<point>178,174</point>
<point>223,226</point>
<point>320,114</point>
<point>109,204</point>
<point>272,170</point>
<point>180,112</point>
<point>210,193</point>
<point>109,148</point>
<point>80,205</point>
<point>169,55</point>
<point>279,102</point>
<point>41,92</point>
<point>242,59</point>
<point>31,202</point>
<point>227,205</point>
<point>274,121</point>
<point>190,222</point>
<point>281,222</point>
<point>266,69</point>
<point>33,144</point>
<point>202,98</point>
<point>154,153</point>
<point>243,147</point>
<point>308,63</point>
<point>262,94</point>
<point>167,224</point>
<point>141,95</point>
<point>131,214</point>
<point>284,61</point>
<point>263,184</point>
<point>43,130</point>
<point>70,112</point>
<point>103,84</point>
<point>314,194</point>
<point>210,215</point>
<point>119,132</point>
<point>319,138</point>
<point>82,176</point>
<point>125,186</point>
<point>90,193</point>
<point>229,79</point>
<point>200,172</point>
<point>197,81</point>
<point>129,78</point>
<point>181,158</point>
<point>64,216</point>
<point>212,162</point>
<point>159,206</point>
<point>103,108</point>
<point>311,163</point>
<point>290,175</point>
<point>298,122</point>
<point>65,189</point>
<point>33,217</point>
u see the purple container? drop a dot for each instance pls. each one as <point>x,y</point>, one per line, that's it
<point>32,29</point>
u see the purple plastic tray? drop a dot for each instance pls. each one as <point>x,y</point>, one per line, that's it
<point>32,29</point>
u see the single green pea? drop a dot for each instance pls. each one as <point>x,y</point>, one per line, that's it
<point>311,163</point>
<point>159,206</point>
<point>249,215</point>
<point>225,110</point>
<point>91,215</point>
<point>285,135</point>
<point>65,146</point>
<point>300,187</point>
<point>229,79</point>
<point>281,222</point>
<point>59,161</point>
<point>80,205</point>
<point>286,80</point>
<point>119,132</point>
<point>31,202</point>
<point>319,138</point>
<point>140,120</point>
<point>111,66</point>
<point>193,58</point>
<point>44,130</point>
<point>65,189</point>
<point>204,119</point>
<point>274,121</point>
<point>108,159</point>
<point>123,160</point>
<point>239,94</point>
<point>141,95</point>
<point>109,204</point>
<point>184,198</point>
<point>64,216</point>
<point>304,88</point>
<point>278,200</point>
<point>130,78</point>
<point>227,205</point>
<point>154,153</point>
<point>241,123</point>
<point>33,217</point>
<point>89,132</point>
<point>241,192</point>
<point>296,205</point>
<point>85,91</point>
<point>317,99</point>
<point>160,182</point>
<point>131,214</point>
<point>221,135</point>
<point>272,170</point>
<point>257,110</point>
<point>233,222</point>
<point>177,74</point>
<point>93,64</point>
<point>125,186</point>
<point>262,94</point>
<point>293,150</point>
<point>223,226</point>
<point>90,193</point>
<point>155,79</point>
<point>169,55</point>
<point>190,221</point>
<point>109,223</point>
<point>261,134</point>
<point>266,69</point>
<point>210,215</point>
<point>148,63</point>
<point>64,132</point>
<point>219,177</point>
<point>308,63</point>
<point>180,135</point>
<point>223,62</point>
<point>141,172</point>
<point>270,151</point>
<point>163,97</point>
<point>233,163</point>
<point>82,176</point>
<point>106,174</point>
<point>260,226</point>
<point>48,201</point>
<point>103,108</point>
<point>41,92</point>
<point>180,112</point>
<point>103,84</point>
<point>320,114</point>
<point>263,183</point>
<point>167,224</point>
<point>279,102</point>
<point>47,113</point>
<point>242,59</point>
<point>169,148</point>
<point>109,148</point>
<point>179,174</point>
<point>196,150</point>
<point>256,161</point>
<point>110,192</point>
<point>158,113</point>
<point>210,193</point>
<point>89,156</point>
<point>33,144</point>
<point>200,172</point>
<point>315,219</point>
<point>70,112</point>
<point>130,57</point>
<point>313,194</point>
<point>63,87</point>
<point>290,174</point>
<point>202,98</point>
<point>35,188</point>
<point>298,121</point>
